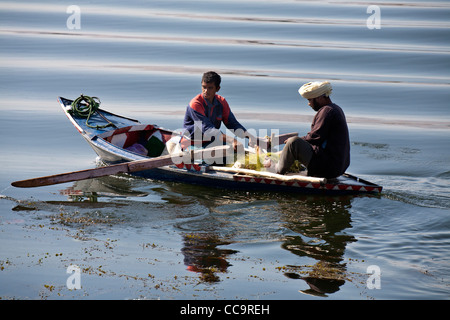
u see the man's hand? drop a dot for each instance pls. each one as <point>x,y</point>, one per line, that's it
<point>236,144</point>
<point>270,165</point>
<point>260,142</point>
<point>267,162</point>
<point>252,140</point>
<point>231,141</point>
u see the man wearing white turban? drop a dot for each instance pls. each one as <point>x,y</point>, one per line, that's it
<point>325,150</point>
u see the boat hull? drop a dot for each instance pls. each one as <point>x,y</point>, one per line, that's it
<point>101,140</point>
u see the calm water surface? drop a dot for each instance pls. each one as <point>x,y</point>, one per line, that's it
<point>140,239</point>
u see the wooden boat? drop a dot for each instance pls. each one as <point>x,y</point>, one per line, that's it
<point>114,138</point>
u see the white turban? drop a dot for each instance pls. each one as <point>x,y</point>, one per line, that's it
<point>316,89</point>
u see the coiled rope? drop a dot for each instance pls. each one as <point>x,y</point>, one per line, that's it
<point>85,107</point>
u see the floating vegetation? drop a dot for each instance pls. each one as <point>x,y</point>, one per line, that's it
<point>88,219</point>
<point>4,263</point>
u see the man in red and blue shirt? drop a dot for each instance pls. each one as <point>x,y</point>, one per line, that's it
<point>208,110</point>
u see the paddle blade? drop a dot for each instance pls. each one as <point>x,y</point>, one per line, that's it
<point>70,176</point>
<point>132,166</point>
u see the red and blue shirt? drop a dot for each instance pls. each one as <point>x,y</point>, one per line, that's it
<point>209,116</point>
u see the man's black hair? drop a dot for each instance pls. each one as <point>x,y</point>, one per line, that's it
<point>212,77</point>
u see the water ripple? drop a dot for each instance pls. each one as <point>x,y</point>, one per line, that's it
<point>299,43</point>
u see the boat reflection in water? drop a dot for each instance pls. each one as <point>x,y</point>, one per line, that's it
<point>319,223</point>
<point>202,255</point>
<point>92,189</point>
<point>208,222</point>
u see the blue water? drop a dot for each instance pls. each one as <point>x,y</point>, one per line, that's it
<point>146,239</point>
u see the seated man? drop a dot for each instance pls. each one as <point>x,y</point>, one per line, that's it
<point>206,112</point>
<point>325,150</point>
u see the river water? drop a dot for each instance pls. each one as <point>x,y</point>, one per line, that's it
<point>139,239</point>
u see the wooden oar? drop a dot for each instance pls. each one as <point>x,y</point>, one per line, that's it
<point>270,175</point>
<point>281,139</point>
<point>132,166</point>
